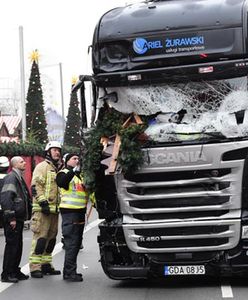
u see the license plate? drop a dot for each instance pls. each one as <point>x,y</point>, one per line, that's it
<point>184,270</point>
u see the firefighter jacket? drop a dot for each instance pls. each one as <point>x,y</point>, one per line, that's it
<point>15,198</point>
<point>72,190</point>
<point>44,186</point>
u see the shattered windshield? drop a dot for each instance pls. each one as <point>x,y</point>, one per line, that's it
<point>191,111</point>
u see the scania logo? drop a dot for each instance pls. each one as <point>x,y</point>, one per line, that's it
<point>176,158</point>
<point>140,45</point>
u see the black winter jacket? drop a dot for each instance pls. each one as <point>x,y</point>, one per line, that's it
<point>15,198</point>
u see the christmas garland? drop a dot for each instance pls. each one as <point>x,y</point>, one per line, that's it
<point>23,149</point>
<point>130,157</point>
<point>28,149</point>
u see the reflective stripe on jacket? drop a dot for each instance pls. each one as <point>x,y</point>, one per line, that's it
<point>76,196</point>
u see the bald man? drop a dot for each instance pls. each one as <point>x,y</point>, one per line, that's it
<point>16,206</point>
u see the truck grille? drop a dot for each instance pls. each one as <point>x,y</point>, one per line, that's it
<point>190,230</point>
<point>180,215</point>
<point>162,192</point>
<point>191,205</point>
<point>182,236</point>
<point>187,243</point>
<point>180,202</point>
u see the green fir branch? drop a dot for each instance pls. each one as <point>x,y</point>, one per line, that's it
<point>130,156</point>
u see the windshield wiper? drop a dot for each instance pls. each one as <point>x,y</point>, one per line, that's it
<point>215,134</point>
<point>199,135</point>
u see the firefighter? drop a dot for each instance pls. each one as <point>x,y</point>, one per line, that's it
<point>44,222</point>
<point>72,207</point>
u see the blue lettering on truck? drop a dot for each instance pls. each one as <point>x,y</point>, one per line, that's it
<point>142,45</point>
<point>189,41</point>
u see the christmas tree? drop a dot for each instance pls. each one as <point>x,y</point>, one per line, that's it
<point>72,135</point>
<point>35,114</point>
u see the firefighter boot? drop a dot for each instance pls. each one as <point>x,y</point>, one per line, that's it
<point>36,274</point>
<point>73,277</point>
<point>47,269</point>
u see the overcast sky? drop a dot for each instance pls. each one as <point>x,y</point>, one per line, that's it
<point>60,30</point>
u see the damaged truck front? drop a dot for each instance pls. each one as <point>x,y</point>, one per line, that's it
<point>182,66</point>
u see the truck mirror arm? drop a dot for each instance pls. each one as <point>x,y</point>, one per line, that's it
<point>79,83</point>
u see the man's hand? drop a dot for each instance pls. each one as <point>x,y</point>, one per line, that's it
<point>45,209</point>
<point>13,224</point>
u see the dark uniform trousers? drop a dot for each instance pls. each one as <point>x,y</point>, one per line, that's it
<point>13,249</point>
<point>72,230</point>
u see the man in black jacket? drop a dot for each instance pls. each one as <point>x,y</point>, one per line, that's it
<point>16,206</point>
